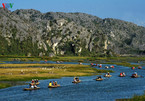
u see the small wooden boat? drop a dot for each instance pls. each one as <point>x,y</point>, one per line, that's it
<point>139,67</point>
<point>54,86</point>
<point>93,64</point>
<point>100,66</point>
<point>80,63</point>
<point>31,88</point>
<point>76,81</point>
<point>122,75</point>
<point>134,76</point>
<point>100,79</point>
<point>107,75</point>
<point>132,68</point>
<point>111,66</point>
<point>35,83</point>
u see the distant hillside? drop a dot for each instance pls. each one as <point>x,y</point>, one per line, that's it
<point>32,33</point>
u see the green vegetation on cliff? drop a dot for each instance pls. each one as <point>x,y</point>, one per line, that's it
<point>32,33</point>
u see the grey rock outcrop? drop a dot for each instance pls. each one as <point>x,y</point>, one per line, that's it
<point>36,33</point>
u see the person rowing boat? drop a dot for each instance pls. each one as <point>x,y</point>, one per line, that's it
<point>54,85</point>
<point>111,66</point>
<point>122,74</point>
<point>135,75</point>
<point>133,68</point>
<point>99,78</point>
<point>107,75</point>
<point>76,80</point>
<point>32,87</point>
<point>139,67</point>
<point>35,81</point>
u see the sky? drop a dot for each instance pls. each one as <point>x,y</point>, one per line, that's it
<point>128,10</point>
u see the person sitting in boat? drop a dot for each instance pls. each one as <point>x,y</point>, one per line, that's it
<point>55,82</point>
<point>135,73</point>
<point>74,78</point>
<point>133,67</point>
<point>123,74</point>
<point>108,73</point>
<point>99,77</point>
<point>100,65</point>
<point>77,79</point>
<point>80,63</point>
<point>32,86</point>
<point>139,67</point>
<point>35,86</point>
<point>50,83</point>
<point>36,80</point>
<point>32,81</point>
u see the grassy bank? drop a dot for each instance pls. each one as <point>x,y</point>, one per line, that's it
<point>72,58</point>
<point>4,85</point>
<point>26,72</point>
<point>135,98</point>
<point>126,64</point>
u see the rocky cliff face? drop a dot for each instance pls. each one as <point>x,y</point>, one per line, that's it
<point>30,32</point>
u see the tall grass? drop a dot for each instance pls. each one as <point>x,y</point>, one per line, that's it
<point>135,98</point>
<point>26,72</point>
<point>4,85</point>
<point>126,64</point>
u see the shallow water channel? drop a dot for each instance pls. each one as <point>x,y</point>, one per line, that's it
<point>88,90</point>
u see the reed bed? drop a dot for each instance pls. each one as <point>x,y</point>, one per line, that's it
<point>26,72</point>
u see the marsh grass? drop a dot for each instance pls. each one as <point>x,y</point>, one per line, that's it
<point>26,72</point>
<point>135,98</point>
<point>126,64</point>
<point>71,58</point>
<point>4,85</point>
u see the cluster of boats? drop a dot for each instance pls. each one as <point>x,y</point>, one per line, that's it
<point>99,78</point>
<point>137,67</point>
<point>34,83</point>
<point>122,74</point>
<point>31,87</point>
<point>76,80</point>
<point>100,65</point>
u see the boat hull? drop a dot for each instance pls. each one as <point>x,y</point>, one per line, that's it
<point>26,89</point>
<point>99,79</point>
<point>107,75</point>
<point>54,86</point>
<point>76,81</point>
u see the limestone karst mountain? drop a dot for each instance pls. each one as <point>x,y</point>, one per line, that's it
<point>32,33</point>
